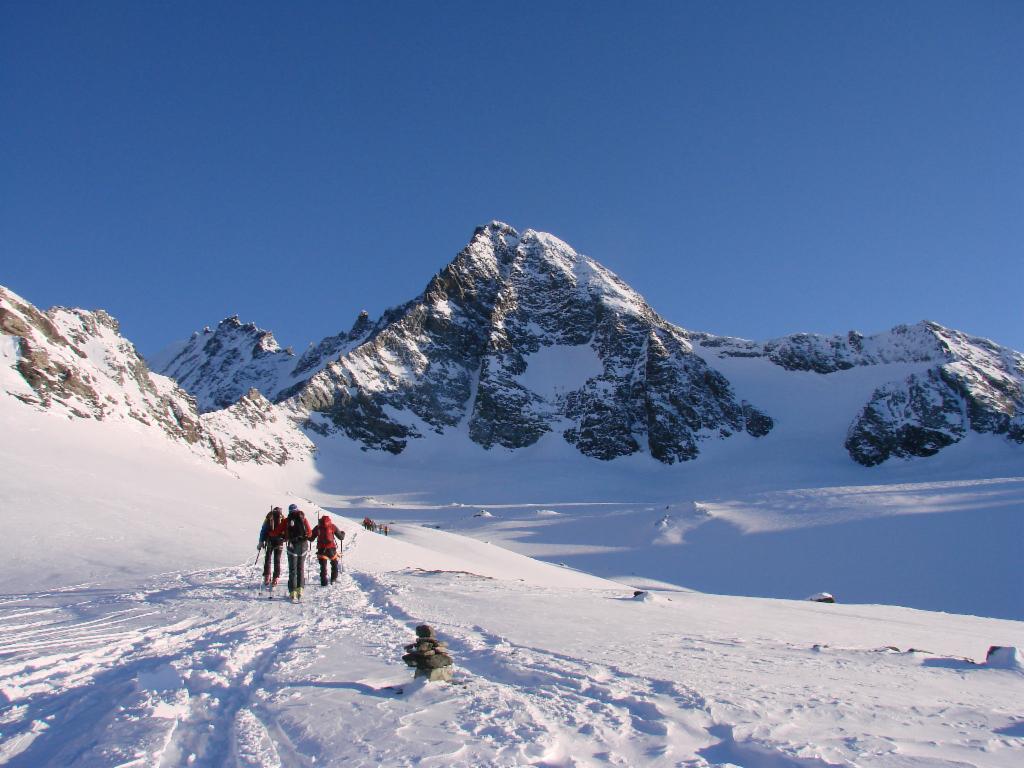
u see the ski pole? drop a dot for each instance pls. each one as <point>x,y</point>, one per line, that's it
<point>304,554</point>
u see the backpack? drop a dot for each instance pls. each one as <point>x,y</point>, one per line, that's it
<point>273,520</point>
<point>325,533</point>
<point>297,528</point>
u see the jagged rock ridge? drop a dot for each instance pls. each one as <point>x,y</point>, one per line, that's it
<point>218,366</point>
<point>517,338</point>
<point>973,385</point>
<point>461,353</point>
<point>76,362</point>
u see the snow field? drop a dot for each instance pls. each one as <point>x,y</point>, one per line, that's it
<point>555,667</point>
<point>197,668</point>
<point>116,502</point>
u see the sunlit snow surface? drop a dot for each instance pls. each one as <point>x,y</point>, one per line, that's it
<point>559,369</point>
<point>133,632</point>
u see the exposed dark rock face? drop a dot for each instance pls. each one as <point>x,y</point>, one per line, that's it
<point>980,389</point>
<point>464,352</point>
<point>916,417</point>
<point>686,399</point>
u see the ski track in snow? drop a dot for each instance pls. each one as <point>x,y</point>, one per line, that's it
<point>74,671</point>
<point>200,669</point>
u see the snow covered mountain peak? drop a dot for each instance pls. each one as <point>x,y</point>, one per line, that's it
<point>74,362</point>
<point>487,348</point>
<point>548,254</point>
<point>520,336</point>
<point>219,366</point>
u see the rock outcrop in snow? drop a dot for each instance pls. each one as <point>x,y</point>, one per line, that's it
<point>828,354</point>
<point>979,388</point>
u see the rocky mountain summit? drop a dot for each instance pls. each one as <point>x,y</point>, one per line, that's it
<point>218,366</point>
<point>479,348</point>
<point>484,349</point>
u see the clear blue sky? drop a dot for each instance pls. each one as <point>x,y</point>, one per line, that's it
<point>752,168</point>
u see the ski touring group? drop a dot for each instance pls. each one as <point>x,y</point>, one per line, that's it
<point>291,533</point>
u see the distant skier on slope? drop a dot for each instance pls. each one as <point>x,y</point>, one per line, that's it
<point>273,544</point>
<point>296,530</point>
<point>325,532</point>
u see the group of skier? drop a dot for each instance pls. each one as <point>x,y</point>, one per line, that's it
<point>293,534</point>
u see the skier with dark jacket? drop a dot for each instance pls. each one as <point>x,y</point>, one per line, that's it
<point>324,533</point>
<point>273,544</point>
<point>295,529</point>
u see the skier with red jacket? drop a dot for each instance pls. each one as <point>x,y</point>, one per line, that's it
<point>325,532</point>
<point>295,529</point>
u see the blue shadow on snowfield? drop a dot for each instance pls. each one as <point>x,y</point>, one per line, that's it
<point>933,562</point>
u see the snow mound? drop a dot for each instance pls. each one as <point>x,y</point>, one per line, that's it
<point>1005,657</point>
<point>163,678</point>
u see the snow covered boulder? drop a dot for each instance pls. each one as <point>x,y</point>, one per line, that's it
<point>1005,657</point>
<point>822,597</point>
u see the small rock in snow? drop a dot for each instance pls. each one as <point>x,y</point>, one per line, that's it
<point>822,597</point>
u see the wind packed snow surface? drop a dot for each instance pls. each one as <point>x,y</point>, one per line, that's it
<point>149,663</point>
<point>552,668</point>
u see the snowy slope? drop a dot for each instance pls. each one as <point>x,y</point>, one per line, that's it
<point>135,635</point>
<point>552,668</point>
<point>957,384</point>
